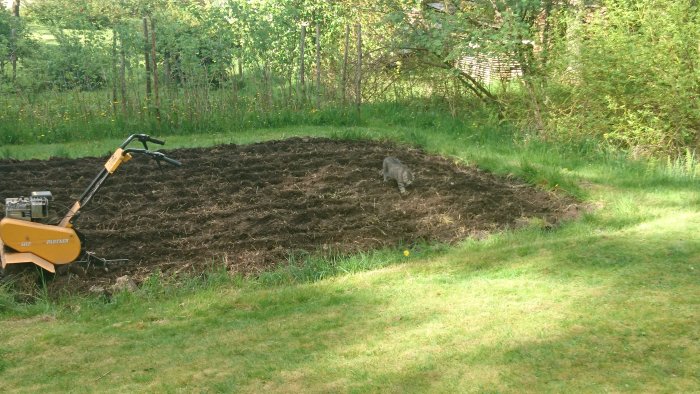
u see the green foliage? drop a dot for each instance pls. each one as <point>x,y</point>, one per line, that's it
<point>80,14</point>
<point>197,43</point>
<point>632,77</point>
<point>74,63</point>
<point>620,73</point>
<point>15,42</point>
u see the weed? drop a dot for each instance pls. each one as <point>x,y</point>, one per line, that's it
<point>684,166</point>
<point>5,153</point>
<point>61,151</point>
<point>350,134</point>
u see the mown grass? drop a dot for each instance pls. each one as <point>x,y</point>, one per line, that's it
<point>605,303</point>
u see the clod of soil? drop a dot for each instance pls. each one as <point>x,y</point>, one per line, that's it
<point>249,207</point>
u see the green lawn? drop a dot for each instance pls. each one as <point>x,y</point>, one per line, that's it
<point>607,303</point>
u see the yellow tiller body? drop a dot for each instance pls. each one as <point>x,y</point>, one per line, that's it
<point>25,241</point>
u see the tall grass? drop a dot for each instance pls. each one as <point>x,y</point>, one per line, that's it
<point>53,117</point>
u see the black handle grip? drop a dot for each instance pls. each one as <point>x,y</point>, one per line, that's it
<point>156,155</point>
<point>171,161</point>
<point>160,156</point>
<point>143,138</point>
<point>155,141</point>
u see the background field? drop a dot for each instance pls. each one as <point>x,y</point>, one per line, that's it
<point>605,303</point>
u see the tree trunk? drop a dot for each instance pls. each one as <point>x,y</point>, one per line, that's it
<point>13,40</point>
<point>155,69</point>
<point>13,54</point>
<point>302,86</point>
<point>344,79</point>
<point>536,110</point>
<point>167,70</point>
<point>318,60</point>
<point>114,71</point>
<point>574,37</point>
<point>546,31</point>
<point>358,72</point>
<point>122,72</point>
<point>267,88</point>
<point>234,89</point>
<point>147,59</point>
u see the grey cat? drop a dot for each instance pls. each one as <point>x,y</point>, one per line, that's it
<point>394,169</point>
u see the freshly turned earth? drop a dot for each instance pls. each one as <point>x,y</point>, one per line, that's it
<point>249,207</point>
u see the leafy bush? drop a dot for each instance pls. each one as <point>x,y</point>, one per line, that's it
<point>14,41</point>
<point>72,64</point>
<point>196,43</point>
<point>631,77</point>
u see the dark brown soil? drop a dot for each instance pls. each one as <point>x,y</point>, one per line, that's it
<point>250,207</point>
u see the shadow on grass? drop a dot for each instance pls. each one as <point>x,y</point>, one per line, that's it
<point>534,310</point>
<point>591,357</point>
<point>583,300</point>
<point>584,249</point>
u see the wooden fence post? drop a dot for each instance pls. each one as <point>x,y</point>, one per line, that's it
<point>147,58</point>
<point>358,72</point>
<point>155,69</point>
<point>301,62</point>
<point>13,40</point>
<point>318,61</point>
<point>122,72</point>
<point>344,79</point>
<point>114,71</point>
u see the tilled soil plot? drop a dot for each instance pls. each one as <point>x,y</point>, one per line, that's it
<point>250,207</point>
